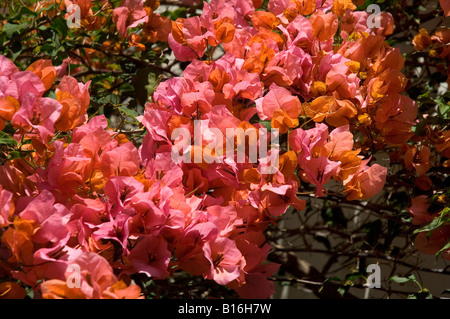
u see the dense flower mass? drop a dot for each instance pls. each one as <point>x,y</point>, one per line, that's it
<point>74,191</point>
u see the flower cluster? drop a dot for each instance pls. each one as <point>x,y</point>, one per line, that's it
<point>126,16</point>
<point>281,67</point>
<point>430,239</point>
<point>437,45</point>
<point>80,193</point>
<point>432,149</point>
<point>76,192</point>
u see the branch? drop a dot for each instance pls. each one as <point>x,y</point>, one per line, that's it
<point>309,275</point>
<point>367,254</point>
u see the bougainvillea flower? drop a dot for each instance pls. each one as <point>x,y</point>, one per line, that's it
<point>18,240</point>
<point>422,40</point>
<point>151,256</point>
<point>15,181</point>
<point>418,159</point>
<point>23,83</point>
<point>8,106</point>
<point>11,290</point>
<point>290,67</point>
<point>188,36</point>
<point>7,67</point>
<point>445,5</point>
<point>51,217</point>
<point>7,207</point>
<point>365,47</point>
<point>75,98</point>
<point>336,112</point>
<point>164,169</point>
<point>257,286</point>
<point>38,113</point>
<point>45,70</point>
<point>120,190</point>
<point>395,117</point>
<point>282,121</point>
<point>121,161</point>
<point>116,229</point>
<point>366,182</point>
<point>324,25</point>
<point>226,260</point>
<point>431,244</point>
<point>129,14</point>
<point>318,171</point>
<point>443,144</point>
<point>83,193</point>
<point>183,53</point>
<point>224,30</point>
<point>153,209</point>
<point>342,80</point>
<point>357,21</point>
<point>419,210</point>
<point>350,163</point>
<point>340,7</point>
<point>251,244</point>
<point>199,101</point>
<point>169,92</point>
<point>354,21</point>
<point>287,10</point>
<point>299,32</point>
<point>157,28</point>
<point>340,141</point>
<point>278,98</point>
<point>69,167</point>
<point>97,281</point>
<point>388,82</point>
<point>189,251</point>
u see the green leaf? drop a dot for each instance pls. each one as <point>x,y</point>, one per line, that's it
<point>446,95</point>
<point>421,295</point>
<point>30,292</point>
<point>446,291</point>
<point>175,14</point>
<point>6,139</point>
<point>266,125</point>
<point>399,280</point>
<point>153,82</point>
<point>444,109</point>
<point>60,26</point>
<point>24,11</point>
<point>16,48</point>
<point>128,112</point>
<point>112,99</point>
<point>343,290</point>
<point>10,29</point>
<point>335,278</point>
<point>430,227</point>
<point>447,246</point>
<point>13,155</point>
<point>355,275</point>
